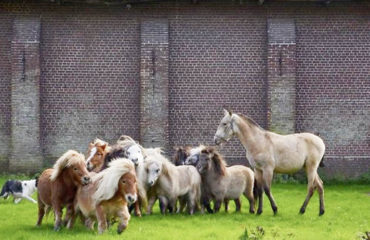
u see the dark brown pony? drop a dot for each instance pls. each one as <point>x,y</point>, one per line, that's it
<point>57,187</point>
<point>108,195</point>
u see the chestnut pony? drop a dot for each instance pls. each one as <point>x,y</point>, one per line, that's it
<point>96,154</point>
<point>108,194</point>
<point>57,187</point>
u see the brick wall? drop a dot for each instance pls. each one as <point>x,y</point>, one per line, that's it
<point>90,73</point>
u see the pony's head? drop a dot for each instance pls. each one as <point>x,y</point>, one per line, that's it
<point>211,160</point>
<point>181,154</point>
<point>225,129</point>
<point>132,149</point>
<point>96,153</point>
<point>118,177</point>
<point>154,170</point>
<point>193,157</point>
<point>75,166</point>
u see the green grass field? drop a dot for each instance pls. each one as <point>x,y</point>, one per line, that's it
<point>347,217</point>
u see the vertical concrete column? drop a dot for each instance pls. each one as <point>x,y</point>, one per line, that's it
<point>154,83</point>
<point>25,153</point>
<point>281,76</point>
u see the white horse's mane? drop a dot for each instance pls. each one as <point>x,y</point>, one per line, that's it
<point>155,155</point>
<point>107,180</point>
<point>69,158</point>
<point>197,150</point>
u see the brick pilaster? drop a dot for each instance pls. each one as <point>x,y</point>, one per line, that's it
<point>25,153</point>
<point>154,83</point>
<point>281,76</point>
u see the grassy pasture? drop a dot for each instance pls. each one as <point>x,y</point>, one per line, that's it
<point>347,217</point>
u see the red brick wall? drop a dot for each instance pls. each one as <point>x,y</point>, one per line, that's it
<point>217,59</point>
<point>5,76</point>
<point>90,76</point>
<point>90,73</point>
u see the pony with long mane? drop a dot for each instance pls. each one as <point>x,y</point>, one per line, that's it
<point>173,182</point>
<point>224,183</point>
<point>57,187</point>
<point>108,195</point>
<point>268,152</point>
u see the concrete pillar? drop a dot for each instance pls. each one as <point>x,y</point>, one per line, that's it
<point>25,153</point>
<point>281,76</point>
<point>154,83</point>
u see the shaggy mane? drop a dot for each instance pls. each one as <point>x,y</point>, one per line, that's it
<point>155,155</point>
<point>107,180</point>
<point>219,162</point>
<point>69,158</point>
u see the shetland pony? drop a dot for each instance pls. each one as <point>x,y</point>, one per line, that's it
<point>173,182</point>
<point>97,151</point>
<point>268,152</point>
<point>108,195</point>
<point>224,183</point>
<point>57,187</point>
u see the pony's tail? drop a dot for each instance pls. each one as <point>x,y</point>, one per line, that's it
<point>322,162</point>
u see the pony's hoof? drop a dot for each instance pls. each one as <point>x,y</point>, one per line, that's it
<point>121,228</point>
<point>275,209</point>
<point>302,210</point>
<point>57,228</point>
<point>250,211</point>
<point>259,211</point>
<point>322,211</point>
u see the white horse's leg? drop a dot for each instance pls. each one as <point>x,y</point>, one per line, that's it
<point>320,190</point>
<point>311,175</point>
<point>267,179</point>
<point>259,180</point>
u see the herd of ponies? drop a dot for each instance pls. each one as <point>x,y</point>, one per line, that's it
<point>117,178</point>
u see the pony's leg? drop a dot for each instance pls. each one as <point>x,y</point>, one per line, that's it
<point>311,175</point>
<point>237,204</point>
<point>217,205</point>
<point>267,179</point>
<point>248,193</point>
<point>124,217</point>
<point>137,208</point>
<point>259,185</point>
<point>182,201</point>
<point>58,216</point>
<point>151,202</point>
<point>71,218</point>
<point>320,190</point>
<point>226,202</point>
<point>69,215</point>
<point>102,220</point>
<point>41,212</point>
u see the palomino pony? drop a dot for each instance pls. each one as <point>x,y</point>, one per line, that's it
<point>108,195</point>
<point>224,183</point>
<point>57,186</point>
<point>269,152</point>
<point>174,182</point>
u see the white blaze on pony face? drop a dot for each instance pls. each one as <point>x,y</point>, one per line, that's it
<point>135,154</point>
<point>154,170</point>
<point>225,130</point>
<point>88,161</point>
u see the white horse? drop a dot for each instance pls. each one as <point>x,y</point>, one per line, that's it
<point>269,152</point>
<point>173,182</point>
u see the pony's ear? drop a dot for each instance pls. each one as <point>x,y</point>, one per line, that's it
<point>103,146</point>
<point>91,145</point>
<point>228,112</point>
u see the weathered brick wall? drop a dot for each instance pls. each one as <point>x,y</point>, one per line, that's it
<point>5,75</point>
<point>90,77</point>
<point>218,53</point>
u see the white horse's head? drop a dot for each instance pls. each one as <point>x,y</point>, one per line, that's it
<point>225,129</point>
<point>135,154</point>
<point>154,170</point>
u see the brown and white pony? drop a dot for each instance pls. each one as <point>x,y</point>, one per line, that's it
<point>108,195</point>
<point>173,182</point>
<point>57,187</point>
<point>225,183</point>
<point>96,153</point>
<point>268,152</point>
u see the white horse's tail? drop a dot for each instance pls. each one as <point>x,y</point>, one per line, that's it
<point>322,162</point>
